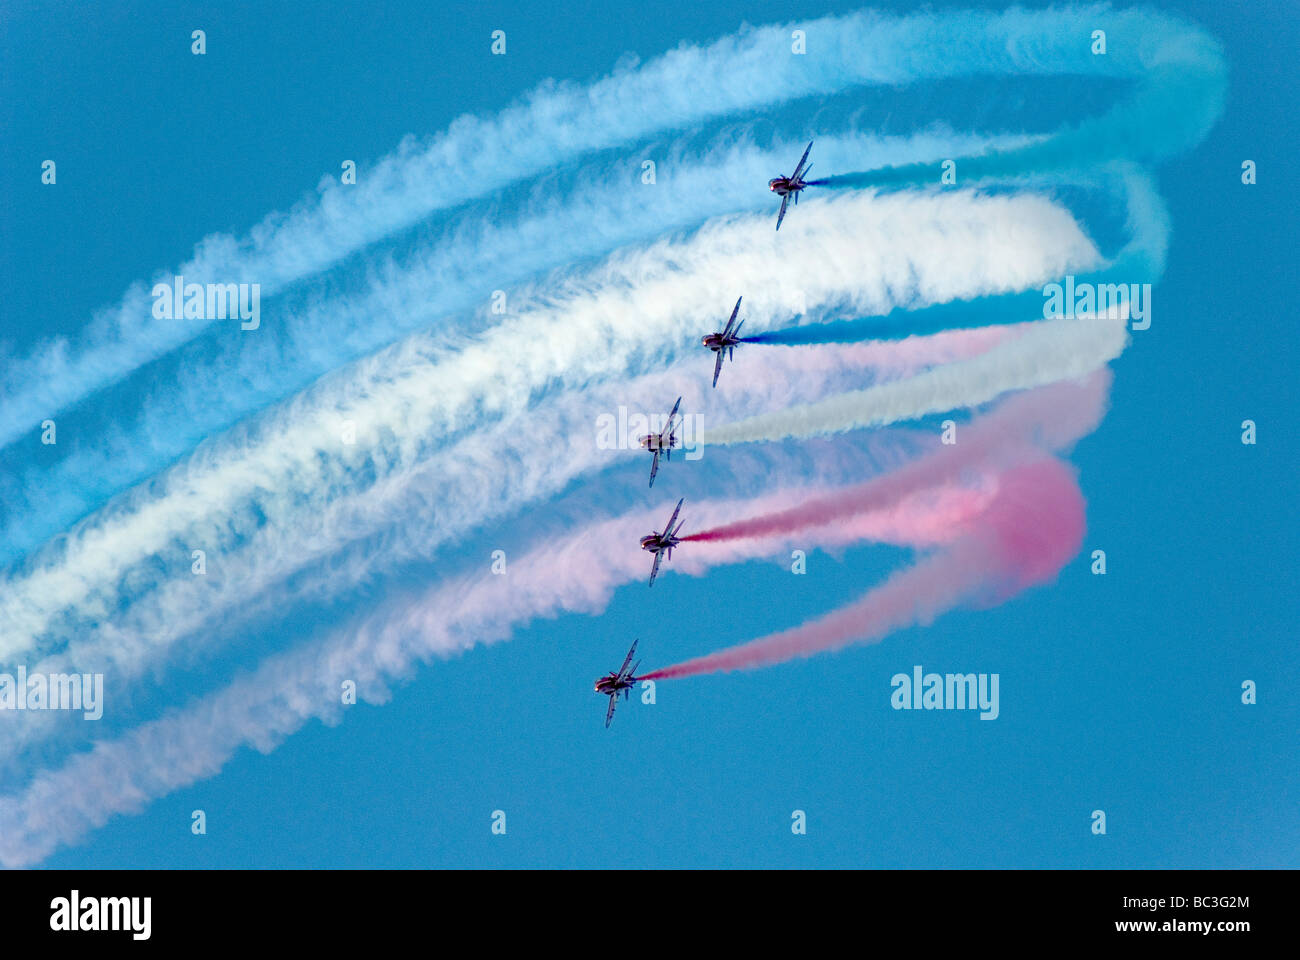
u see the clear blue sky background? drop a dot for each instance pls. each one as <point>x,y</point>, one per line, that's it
<point>1119,692</point>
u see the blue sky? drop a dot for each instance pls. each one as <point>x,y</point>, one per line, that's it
<point>1119,693</point>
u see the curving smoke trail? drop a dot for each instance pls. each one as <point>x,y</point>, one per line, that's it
<point>1026,536</point>
<point>1181,87</point>
<point>1050,418</point>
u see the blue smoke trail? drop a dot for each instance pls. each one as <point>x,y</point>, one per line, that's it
<point>903,322</point>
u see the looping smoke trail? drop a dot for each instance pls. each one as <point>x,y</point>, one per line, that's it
<point>1182,84</point>
<point>1030,531</point>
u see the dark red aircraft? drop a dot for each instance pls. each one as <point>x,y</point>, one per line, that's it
<point>724,343</point>
<point>616,682</point>
<point>662,543</point>
<point>785,187</point>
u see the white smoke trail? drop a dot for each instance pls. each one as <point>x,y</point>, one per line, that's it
<point>1063,349</point>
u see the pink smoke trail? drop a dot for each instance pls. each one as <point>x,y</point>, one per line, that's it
<point>921,518</point>
<point>1029,532</point>
<point>1050,417</point>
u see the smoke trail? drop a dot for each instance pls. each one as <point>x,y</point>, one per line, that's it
<point>898,323</point>
<point>403,402</point>
<point>1182,84</point>
<point>1047,352</point>
<point>1030,531</point>
<point>1048,418</point>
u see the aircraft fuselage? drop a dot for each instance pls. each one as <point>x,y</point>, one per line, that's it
<point>783,185</point>
<point>611,685</point>
<point>656,441</point>
<point>655,542</point>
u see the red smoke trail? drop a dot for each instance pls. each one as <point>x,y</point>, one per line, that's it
<point>1049,417</point>
<point>1030,531</point>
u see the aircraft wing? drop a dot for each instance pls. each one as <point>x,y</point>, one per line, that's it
<point>672,417</point>
<point>654,570</point>
<point>717,368</point>
<point>654,468</point>
<point>785,202</point>
<point>628,658</point>
<point>676,510</point>
<point>732,319</point>
<point>609,714</point>
<point>799,169</point>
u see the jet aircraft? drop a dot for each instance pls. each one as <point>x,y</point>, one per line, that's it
<point>786,187</point>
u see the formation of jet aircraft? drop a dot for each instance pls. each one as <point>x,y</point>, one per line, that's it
<point>723,344</point>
